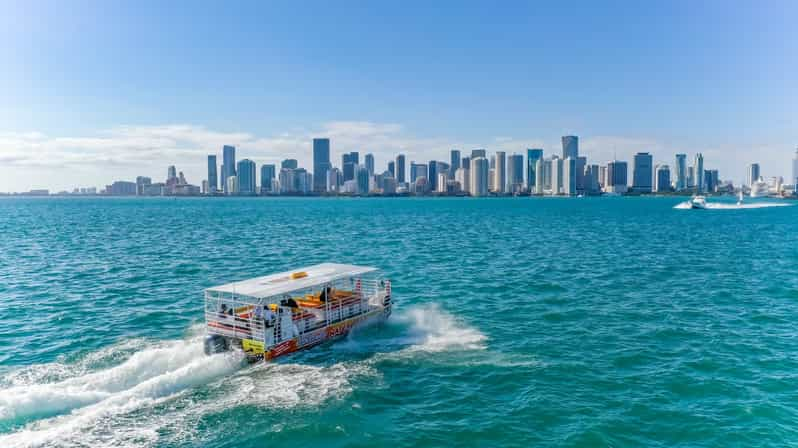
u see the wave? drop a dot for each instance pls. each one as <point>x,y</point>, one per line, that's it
<point>150,394</point>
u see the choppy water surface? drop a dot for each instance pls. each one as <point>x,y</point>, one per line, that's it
<point>582,322</point>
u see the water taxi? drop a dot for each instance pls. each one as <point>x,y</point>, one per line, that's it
<point>281,313</point>
<point>699,202</point>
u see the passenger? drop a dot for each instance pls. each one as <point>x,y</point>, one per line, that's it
<point>268,317</point>
<point>326,294</point>
<point>223,311</point>
<point>258,312</point>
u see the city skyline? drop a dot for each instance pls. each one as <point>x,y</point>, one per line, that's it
<point>145,85</point>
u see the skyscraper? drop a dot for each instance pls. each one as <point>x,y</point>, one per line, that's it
<point>681,172</point>
<point>369,162</point>
<point>321,163</point>
<point>213,181</point>
<point>229,165</point>
<point>465,162</point>
<point>479,176</point>
<point>392,168</point>
<point>290,164</point>
<point>753,174</point>
<point>348,164</point>
<point>267,175</point>
<point>500,172</point>
<point>400,168</point>
<point>556,175</point>
<point>699,172</point>
<point>454,158</point>
<point>532,157</point>
<point>569,176</point>
<point>642,172</point>
<point>418,170</point>
<point>463,177</point>
<point>246,177</point>
<point>570,146</point>
<point>662,178</point>
<point>432,175</point>
<point>617,177</point>
<point>515,173</point>
<point>538,187</point>
<point>581,162</point>
<point>478,153</point>
<point>362,178</point>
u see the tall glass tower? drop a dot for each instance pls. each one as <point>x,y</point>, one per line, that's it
<point>229,164</point>
<point>321,163</point>
<point>213,181</point>
<point>532,157</point>
<point>681,172</point>
<point>246,177</point>
<point>570,147</point>
<point>400,168</point>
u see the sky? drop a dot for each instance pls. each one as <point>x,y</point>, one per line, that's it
<point>92,92</point>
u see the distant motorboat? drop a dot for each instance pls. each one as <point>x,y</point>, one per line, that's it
<point>699,202</point>
<point>759,189</point>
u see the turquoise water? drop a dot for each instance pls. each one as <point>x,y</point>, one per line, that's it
<point>519,321</point>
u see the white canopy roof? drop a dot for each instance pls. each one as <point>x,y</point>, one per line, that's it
<point>282,283</point>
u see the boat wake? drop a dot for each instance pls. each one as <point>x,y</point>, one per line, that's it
<point>732,206</point>
<point>145,393</point>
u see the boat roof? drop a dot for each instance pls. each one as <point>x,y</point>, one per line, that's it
<point>282,283</point>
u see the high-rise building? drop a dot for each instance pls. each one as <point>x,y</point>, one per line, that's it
<point>362,177</point>
<point>532,157</point>
<point>289,164</point>
<point>463,177</point>
<point>500,172</point>
<point>478,153</point>
<point>465,162</point>
<point>321,163</point>
<point>711,180</point>
<point>699,172</point>
<point>141,183</point>
<point>547,166</point>
<point>392,168</point>
<point>334,180</point>
<point>229,165</point>
<point>642,172</point>
<point>753,174</point>
<point>246,177</point>
<point>556,175</point>
<point>539,176</point>
<point>213,181</point>
<point>400,168</point>
<point>617,177</point>
<point>515,173</point>
<point>581,162</point>
<point>432,175</point>
<point>479,176</point>
<point>569,176</point>
<point>349,162</point>
<point>268,174</point>
<point>454,158</point>
<point>231,186</point>
<point>418,170</point>
<point>171,173</point>
<point>602,179</point>
<point>690,177</point>
<point>662,178</point>
<point>369,162</point>
<point>681,172</point>
<point>592,174</point>
<point>570,146</point>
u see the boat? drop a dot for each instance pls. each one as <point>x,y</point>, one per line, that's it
<point>277,314</point>
<point>699,202</point>
<point>759,188</point>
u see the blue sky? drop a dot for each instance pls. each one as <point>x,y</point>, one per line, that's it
<point>98,91</point>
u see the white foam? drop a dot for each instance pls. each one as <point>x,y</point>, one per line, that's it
<point>434,330</point>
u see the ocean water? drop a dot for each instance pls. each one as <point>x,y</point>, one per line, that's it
<point>518,322</point>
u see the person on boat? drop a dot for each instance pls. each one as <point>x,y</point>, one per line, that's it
<point>224,311</point>
<point>268,317</point>
<point>289,301</point>
<point>326,294</point>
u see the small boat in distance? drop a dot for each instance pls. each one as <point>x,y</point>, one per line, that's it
<point>699,202</point>
<point>281,313</point>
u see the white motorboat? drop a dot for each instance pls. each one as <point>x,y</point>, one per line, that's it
<point>699,202</point>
